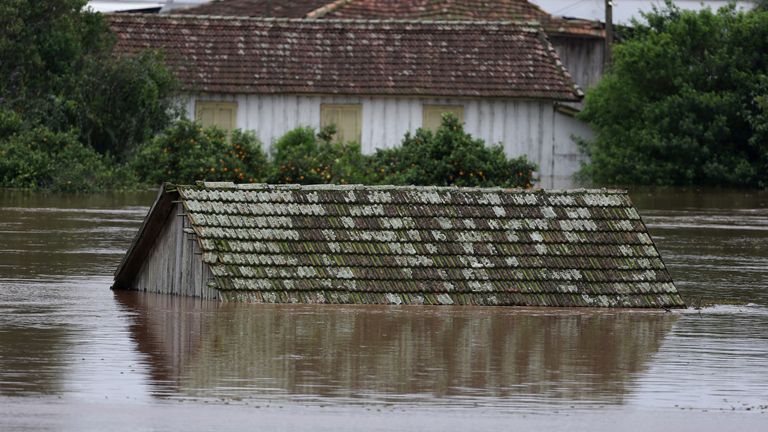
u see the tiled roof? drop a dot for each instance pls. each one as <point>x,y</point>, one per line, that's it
<point>387,244</point>
<point>486,10</point>
<point>256,8</point>
<point>247,55</point>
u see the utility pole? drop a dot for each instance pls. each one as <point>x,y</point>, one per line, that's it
<point>608,33</point>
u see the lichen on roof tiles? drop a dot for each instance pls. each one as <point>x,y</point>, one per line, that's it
<point>445,10</point>
<point>427,245</point>
<point>354,57</point>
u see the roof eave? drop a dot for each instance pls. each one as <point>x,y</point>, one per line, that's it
<point>576,96</point>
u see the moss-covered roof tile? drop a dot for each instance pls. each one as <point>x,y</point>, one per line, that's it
<point>427,245</point>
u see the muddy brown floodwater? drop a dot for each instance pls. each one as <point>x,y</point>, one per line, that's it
<point>76,356</point>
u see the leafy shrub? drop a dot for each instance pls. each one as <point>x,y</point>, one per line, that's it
<point>58,70</point>
<point>187,152</point>
<point>122,102</point>
<point>305,157</point>
<point>449,156</point>
<point>684,103</point>
<point>39,158</point>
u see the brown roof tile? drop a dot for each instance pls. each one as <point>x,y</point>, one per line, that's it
<point>247,55</point>
<point>387,244</point>
<point>256,8</point>
<point>465,10</point>
<point>487,10</point>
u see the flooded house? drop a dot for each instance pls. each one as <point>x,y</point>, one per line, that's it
<point>397,245</point>
<point>375,80</point>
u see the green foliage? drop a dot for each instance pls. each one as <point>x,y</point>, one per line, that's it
<point>450,156</point>
<point>684,103</point>
<point>43,44</point>
<point>39,158</point>
<point>58,72</point>
<point>304,157</point>
<point>123,102</point>
<point>187,152</point>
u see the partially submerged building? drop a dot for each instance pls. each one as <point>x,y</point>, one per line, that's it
<point>397,245</point>
<point>375,80</point>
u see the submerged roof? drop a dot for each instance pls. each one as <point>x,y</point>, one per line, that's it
<point>484,10</point>
<point>407,58</point>
<point>421,245</point>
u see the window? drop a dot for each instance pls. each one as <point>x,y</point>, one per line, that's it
<point>216,113</point>
<point>433,115</point>
<point>347,118</point>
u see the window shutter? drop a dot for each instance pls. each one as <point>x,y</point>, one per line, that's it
<point>215,113</point>
<point>432,115</point>
<point>348,119</point>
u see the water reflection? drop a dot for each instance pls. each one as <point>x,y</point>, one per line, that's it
<point>489,356</point>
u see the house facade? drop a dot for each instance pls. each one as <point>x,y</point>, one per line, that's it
<point>374,80</point>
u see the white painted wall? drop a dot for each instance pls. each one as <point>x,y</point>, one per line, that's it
<point>523,127</point>
<point>582,57</point>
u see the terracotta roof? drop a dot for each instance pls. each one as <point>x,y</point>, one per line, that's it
<point>432,245</point>
<point>466,10</point>
<point>256,8</point>
<point>247,55</point>
<point>486,10</point>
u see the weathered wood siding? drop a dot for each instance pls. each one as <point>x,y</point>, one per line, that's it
<point>583,57</point>
<point>174,264</point>
<point>523,127</point>
<point>567,158</point>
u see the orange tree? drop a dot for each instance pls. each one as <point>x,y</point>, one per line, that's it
<point>449,156</point>
<point>187,152</point>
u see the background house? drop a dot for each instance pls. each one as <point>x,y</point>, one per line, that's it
<point>375,80</point>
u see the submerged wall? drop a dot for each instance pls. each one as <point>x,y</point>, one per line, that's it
<point>160,273</point>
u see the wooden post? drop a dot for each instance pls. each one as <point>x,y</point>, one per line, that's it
<point>608,33</point>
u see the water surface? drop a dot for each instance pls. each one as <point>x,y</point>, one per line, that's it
<point>76,356</point>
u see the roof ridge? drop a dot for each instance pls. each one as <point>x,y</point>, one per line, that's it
<point>293,186</point>
<point>533,24</point>
<point>327,8</point>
